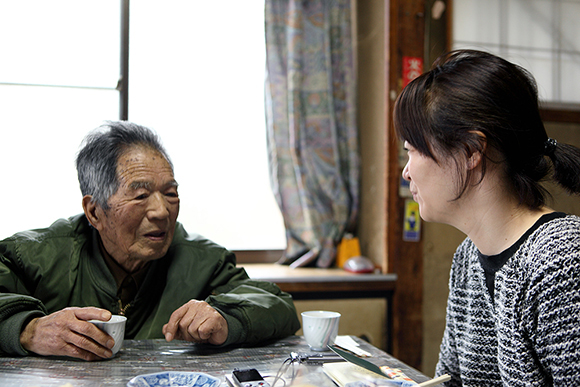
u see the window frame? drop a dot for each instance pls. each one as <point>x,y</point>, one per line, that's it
<point>549,111</point>
<point>123,84</point>
<point>242,256</point>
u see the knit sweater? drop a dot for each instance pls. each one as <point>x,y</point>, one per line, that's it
<point>528,334</point>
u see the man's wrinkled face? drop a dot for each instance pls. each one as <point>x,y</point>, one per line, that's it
<point>139,225</point>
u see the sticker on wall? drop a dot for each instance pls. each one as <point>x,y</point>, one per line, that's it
<point>412,226</point>
<point>412,68</point>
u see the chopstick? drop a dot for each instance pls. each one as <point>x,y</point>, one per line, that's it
<point>433,382</point>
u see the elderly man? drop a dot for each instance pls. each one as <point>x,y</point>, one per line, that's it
<point>128,255</point>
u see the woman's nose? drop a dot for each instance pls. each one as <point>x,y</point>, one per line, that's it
<point>406,175</point>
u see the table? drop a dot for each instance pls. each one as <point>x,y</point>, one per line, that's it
<point>309,283</point>
<point>139,357</point>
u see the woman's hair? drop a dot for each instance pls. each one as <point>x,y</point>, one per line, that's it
<point>97,160</point>
<point>468,93</point>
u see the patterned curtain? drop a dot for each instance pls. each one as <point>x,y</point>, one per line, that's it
<point>311,124</point>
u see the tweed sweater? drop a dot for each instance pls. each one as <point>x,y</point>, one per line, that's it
<point>529,333</point>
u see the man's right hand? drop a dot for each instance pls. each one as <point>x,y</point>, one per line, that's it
<point>68,333</point>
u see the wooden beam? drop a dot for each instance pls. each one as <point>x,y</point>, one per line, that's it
<point>560,115</point>
<point>405,30</point>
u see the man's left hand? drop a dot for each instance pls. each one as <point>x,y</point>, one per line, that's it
<point>197,321</point>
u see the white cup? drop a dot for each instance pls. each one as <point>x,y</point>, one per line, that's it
<point>115,327</point>
<point>320,328</point>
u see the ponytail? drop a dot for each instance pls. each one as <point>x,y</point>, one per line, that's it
<point>566,161</point>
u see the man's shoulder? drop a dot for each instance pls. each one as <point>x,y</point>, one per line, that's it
<point>62,229</point>
<point>181,236</point>
<point>195,243</point>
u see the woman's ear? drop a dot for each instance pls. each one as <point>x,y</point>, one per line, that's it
<point>91,210</point>
<point>476,153</point>
<point>474,160</point>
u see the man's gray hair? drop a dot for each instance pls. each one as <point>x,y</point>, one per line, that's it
<point>98,158</point>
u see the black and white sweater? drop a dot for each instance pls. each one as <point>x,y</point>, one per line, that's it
<point>528,332</point>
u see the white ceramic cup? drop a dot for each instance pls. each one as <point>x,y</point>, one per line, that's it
<point>320,328</point>
<point>115,327</point>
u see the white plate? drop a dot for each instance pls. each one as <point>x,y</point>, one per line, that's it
<point>174,379</point>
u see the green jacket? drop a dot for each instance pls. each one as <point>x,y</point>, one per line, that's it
<point>43,271</point>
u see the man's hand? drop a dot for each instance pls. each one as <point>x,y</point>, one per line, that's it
<point>197,321</point>
<point>68,333</point>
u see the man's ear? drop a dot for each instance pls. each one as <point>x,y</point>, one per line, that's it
<point>92,211</point>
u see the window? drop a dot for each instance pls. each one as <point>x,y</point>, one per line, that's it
<point>196,76</point>
<point>58,74</point>
<point>539,35</point>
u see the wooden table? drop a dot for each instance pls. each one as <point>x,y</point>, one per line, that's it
<point>138,357</point>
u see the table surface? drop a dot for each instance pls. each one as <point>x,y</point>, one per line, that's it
<point>138,357</point>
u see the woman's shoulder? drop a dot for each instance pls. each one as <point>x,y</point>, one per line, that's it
<point>559,233</point>
<point>548,265</point>
<point>555,244</point>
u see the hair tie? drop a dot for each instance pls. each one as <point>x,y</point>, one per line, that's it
<point>550,146</point>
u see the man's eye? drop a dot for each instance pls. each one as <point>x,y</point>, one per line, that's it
<point>141,197</point>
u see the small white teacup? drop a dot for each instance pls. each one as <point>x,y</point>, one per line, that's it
<point>115,327</point>
<point>320,328</point>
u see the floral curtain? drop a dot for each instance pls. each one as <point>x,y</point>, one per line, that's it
<point>311,124</point>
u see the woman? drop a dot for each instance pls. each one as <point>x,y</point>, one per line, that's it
<point>477,153</point>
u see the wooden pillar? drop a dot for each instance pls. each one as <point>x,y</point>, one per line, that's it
<point>404,31</point>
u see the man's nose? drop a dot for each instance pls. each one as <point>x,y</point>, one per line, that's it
<point>158,206</point>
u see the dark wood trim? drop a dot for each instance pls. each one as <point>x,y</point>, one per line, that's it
<point>405,32</point>
<point>437,32</point>
<point>346,289</point>
<point>560,115</point>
